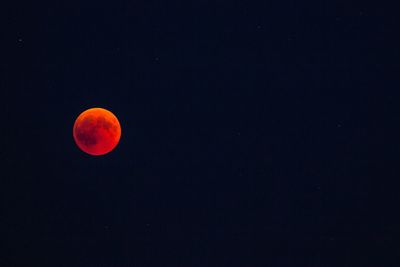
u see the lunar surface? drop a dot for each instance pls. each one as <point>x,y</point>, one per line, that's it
<point>97,131</point>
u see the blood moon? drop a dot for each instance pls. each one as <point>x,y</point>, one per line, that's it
<point>97,131</point>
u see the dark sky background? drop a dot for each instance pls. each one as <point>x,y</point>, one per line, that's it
<point>246,134</point>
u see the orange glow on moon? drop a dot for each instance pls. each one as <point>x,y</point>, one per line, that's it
<point>97,131</point>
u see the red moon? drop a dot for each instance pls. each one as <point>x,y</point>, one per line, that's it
<point>97,131</point>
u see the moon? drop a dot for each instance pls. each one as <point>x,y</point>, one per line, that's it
<point>97,131</point>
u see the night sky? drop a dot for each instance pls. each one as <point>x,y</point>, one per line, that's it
<point>246,134</point>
